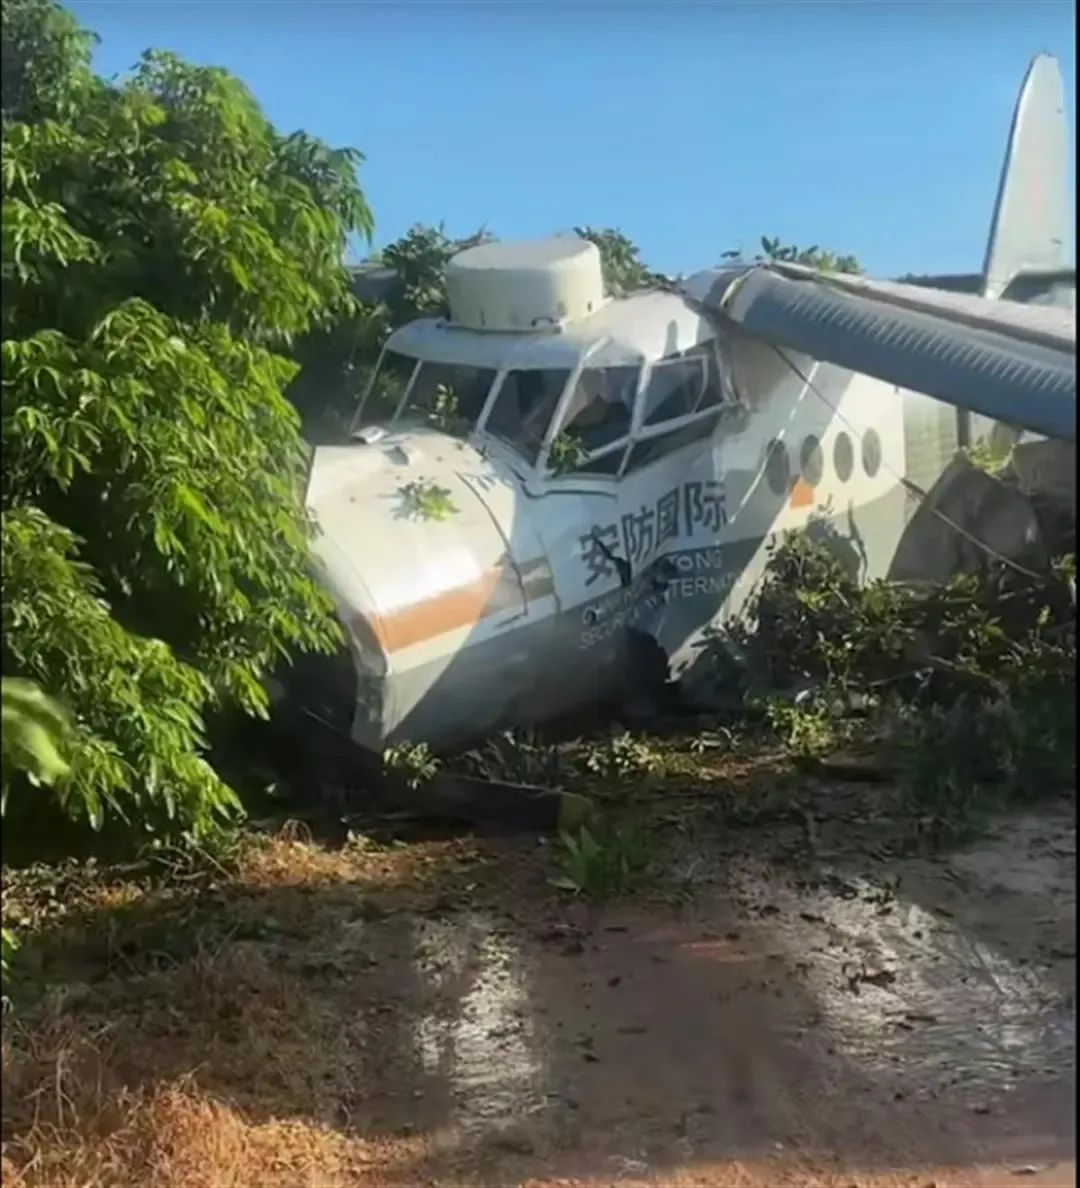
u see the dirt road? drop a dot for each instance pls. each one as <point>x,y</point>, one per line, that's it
<point>817,1011</point>
<point>895,1021</point>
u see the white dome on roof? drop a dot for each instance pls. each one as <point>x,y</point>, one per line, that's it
<point>534,284</point>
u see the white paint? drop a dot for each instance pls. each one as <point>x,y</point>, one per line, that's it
<point>529,286</point>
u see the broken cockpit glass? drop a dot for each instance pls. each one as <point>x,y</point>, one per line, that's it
<point>447,396</point>
<point>523,409</point>
<point>596,423</point>
<point>595,420</point>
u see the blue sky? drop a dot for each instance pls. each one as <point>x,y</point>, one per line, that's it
<point>875,128</point>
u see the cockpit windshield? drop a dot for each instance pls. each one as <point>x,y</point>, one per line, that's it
<point>449,396</point>
<point>386,387</point>
<point>446,396</point>
<point>524,407</point>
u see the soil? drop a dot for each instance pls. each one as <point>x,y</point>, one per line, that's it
<point>812,1010</point>
<point>825,1021</point>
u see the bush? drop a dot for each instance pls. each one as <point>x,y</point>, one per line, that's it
<point>977,675</point>
<point>164,248</point>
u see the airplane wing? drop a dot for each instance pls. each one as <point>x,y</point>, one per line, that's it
<point>1011,362</point>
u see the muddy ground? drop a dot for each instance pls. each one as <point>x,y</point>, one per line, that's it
<point>793,1003</point>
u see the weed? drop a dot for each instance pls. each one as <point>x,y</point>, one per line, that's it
<point>990,454</point>
<point>808,730</point>
<point>445,414</point>
<point>957,765</point>
<point>722,739</point>
<point>10,944</point>
<point>519,757</point>
<point>621,757</point>
<point>427,501</point>
<point>981,667</point>
<point>413,762</point>
<point>606,861</point>
<point>567,453</point>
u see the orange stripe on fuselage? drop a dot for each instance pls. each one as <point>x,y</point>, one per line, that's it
<point>802,494</point>
<point>462,606</point>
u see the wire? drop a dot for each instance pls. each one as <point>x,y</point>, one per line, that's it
<point>907,484</point>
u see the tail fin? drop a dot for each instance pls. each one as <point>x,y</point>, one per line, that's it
<point>1030,232</point>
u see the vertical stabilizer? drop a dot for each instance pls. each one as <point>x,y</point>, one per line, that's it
<point>1031,229</point>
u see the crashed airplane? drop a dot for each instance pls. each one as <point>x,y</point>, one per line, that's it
<point>615,470</point>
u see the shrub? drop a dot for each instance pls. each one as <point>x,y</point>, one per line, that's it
<point>164,248</point>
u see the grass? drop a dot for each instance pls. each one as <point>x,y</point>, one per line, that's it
<point>205,1026</point>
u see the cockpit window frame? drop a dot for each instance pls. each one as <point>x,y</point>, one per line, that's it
<point>488,435</point>
<point>637,432</point>
<point>357,423</point>
<point>543,468</point>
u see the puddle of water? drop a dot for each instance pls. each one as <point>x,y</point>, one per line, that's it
<point>485,1047</point>
<point>904,990</point>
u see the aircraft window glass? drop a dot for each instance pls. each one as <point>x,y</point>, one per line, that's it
<point>524,407</point>
<point>642,453</point>
<point>812,460</point>
<point>843,457</point>
<point>449,396</point>
<point>871,452</point>
<point>674,389</point>
<point>600,409</point>
<point>387,386</point>
<point>777,468</point>
<point>606,464</point>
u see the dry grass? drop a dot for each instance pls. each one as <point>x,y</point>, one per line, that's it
<point>220,1026</point>
<point>205,1031</point>
<point>177,1136</point>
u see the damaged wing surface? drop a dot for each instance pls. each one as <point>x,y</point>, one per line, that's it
<point>1011,362</point>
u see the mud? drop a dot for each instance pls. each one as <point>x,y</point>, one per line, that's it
<point>814,1017</point>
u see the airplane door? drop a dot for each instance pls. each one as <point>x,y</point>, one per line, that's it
<point>673,503</point>
<point>580,532</point>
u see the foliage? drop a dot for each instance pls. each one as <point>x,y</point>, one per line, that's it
<point>47,82</point>
<point>989,454</point>
<point>622,756</point>
<point>426,501</point>
<point>605,861</point>
<point>567,453</point>
<point>164,249</point>
<point>413,762</point>
<point>811,257</point>
<point>958,763</point>
<point>445,414</point>
<point>420,258</point>
<point>621,262</point>
<point>35,728</point>
<point>339,357</point>
<point>519,757</point>
<point>976,676</point>
<point>808,730</point>
<point>9,946</point>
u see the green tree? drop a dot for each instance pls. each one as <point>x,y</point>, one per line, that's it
<point>338,357</point>
<point>811,257</point>
<point>620,259</point>
<point>34,729</point>
<point>164,249</point>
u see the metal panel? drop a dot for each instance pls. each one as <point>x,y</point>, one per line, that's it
<point>1010,362</point>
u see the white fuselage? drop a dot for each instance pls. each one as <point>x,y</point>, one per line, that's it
<point>512,602</point>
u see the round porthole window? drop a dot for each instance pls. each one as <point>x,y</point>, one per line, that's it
<point>871,453</point>
<point>777,468</point>
<point>843,457</point>
<point>812,461</point>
